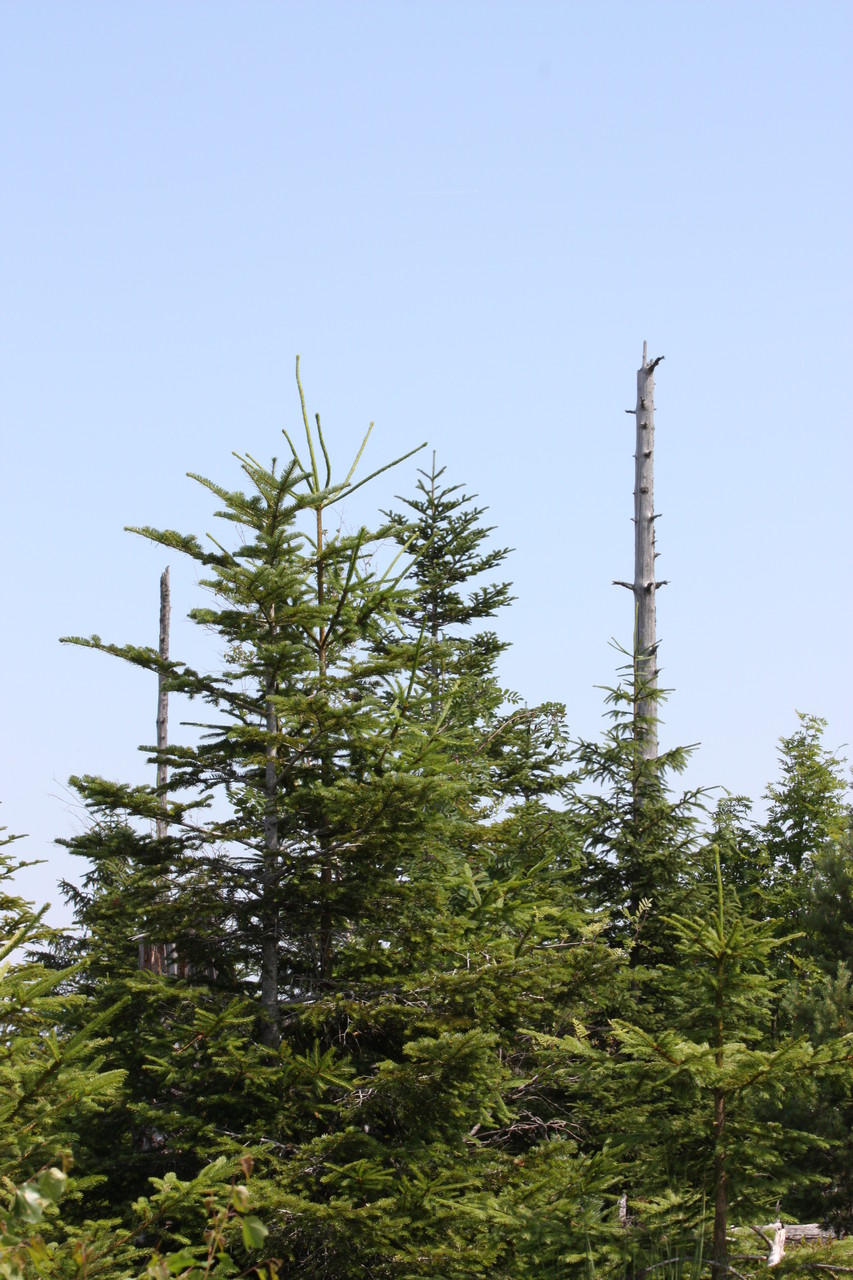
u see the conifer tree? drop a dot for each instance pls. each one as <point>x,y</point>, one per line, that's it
<point>806,847</point>
<point>51,1086</point>
<point>637,857</point>
<point>450,596</point>
<point>388,1111</point>
<point>806,812</point>
<point>298,743</point>
<point>303,893</point>
<point>328,776</point>
<point>700,1107</point>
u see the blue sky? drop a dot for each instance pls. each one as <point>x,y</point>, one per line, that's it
<point>467,218</point>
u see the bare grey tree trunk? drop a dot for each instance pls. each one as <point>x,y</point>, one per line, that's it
<point>645,642</point>
<point>644,585</point>
<point>161,957</point>
<point>171,962</point>
<point>163,699</point>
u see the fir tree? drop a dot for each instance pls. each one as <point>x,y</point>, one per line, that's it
<point>702,1104</point>
<point>329,779</point>
<point>806,812</point>
<point>421,883</point>
<point>51,1086</point>
<point>318,794</point>
<point>443,531</point>
<point>806,843</point>
<point>640,840</point>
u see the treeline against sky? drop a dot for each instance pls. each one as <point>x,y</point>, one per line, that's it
<point>388,975</point>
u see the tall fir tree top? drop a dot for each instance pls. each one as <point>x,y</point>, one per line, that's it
<point>446,537</point>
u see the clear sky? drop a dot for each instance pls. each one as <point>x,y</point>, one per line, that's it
<point>466,217</point>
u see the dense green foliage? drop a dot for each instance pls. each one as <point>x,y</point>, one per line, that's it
<point>466,996</point>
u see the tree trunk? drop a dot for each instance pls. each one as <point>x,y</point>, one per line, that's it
<point>644,585</point>
<point>326,871</point>
<point>269,920</point>
<point>719,1249</point>
<point>161,957</point>
<point>163,699</point>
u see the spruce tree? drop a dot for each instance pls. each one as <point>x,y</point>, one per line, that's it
<point>700,1108</point>
<point>806,812</point>
<point>805,842</point>
<point>639,835</point>
<point>418,880</point>
<point>303,893</point>
<point>51,1086</point>
<point>448,543</point>
<point>326,774</point>
<point>298,746</point>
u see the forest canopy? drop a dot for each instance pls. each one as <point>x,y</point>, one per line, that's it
<point>385,973</point>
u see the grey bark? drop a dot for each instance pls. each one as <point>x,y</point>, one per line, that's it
<point>645,640</point>
<point>170,959</point>
<point>163,699</point>
<point>161,957</point>
<point>644,585</point>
